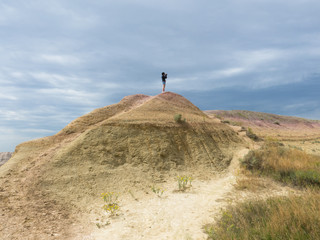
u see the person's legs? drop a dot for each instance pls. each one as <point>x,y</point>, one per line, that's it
<point>163,86</point>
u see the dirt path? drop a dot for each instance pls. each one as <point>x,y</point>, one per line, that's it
<point>176,215</point>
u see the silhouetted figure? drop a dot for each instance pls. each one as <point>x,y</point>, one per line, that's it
<point>164,79</point>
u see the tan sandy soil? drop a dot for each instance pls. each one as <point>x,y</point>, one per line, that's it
<point>176,215</point>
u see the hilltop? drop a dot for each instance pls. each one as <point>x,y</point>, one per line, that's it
<point>50,187</point>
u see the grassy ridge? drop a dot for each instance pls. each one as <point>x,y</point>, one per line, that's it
<point>292,217</point>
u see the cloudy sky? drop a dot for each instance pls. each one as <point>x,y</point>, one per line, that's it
<point>60,59</point>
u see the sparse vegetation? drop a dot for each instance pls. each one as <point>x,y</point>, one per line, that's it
<point>158,191</point>
<point>291,166</point>
<point>132,195</point>
<point>226,121</point>
<point>178,118</point>
<point>242,115</point>
<point>111,205</point>
<point>293,217</point>
<point>252,135</point>
<point>250,182</point>
<point>183,182</point>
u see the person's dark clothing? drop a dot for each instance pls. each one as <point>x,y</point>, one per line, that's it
<point>164,77</point>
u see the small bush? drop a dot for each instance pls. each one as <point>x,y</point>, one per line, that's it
<point>252,135</point>
<point>183,182</point>
<point>226,121</point>
<point>158,191</point>
<point>178,118</point>
<point>111,205</point>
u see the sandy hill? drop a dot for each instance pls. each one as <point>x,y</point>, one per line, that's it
<point>50,185</point>
<point>271,125</point>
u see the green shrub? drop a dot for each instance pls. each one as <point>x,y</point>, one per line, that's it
<point>306,178</point>
<point>111,202</point>
<point>252,161</point>
<point>252,135</point>
<point>158,191</point>
<point>178,118</point>
<point>183,182</point>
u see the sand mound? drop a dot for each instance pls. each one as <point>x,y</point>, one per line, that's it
<point>121,147</point>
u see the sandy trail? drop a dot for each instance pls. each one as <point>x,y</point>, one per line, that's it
<point>176,215</point>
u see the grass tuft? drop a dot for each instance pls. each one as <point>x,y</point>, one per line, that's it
<point>178,118</point>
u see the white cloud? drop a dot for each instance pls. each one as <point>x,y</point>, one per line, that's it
<point>70,95</point>
<point>8,14</point>
<point>37,130</point>
<point>58,80</point>
<point>257,58</point>
<point>60,59</point>
<point>11,115</point>
<point>7,96</point>
<point>296,106</point>
<point>225,73</point>
<point>109,85</point>
<point>16,74</point>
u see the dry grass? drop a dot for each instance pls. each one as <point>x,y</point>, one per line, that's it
<point>250,183</point>
<point>286,165</point>
<point>293,217</point>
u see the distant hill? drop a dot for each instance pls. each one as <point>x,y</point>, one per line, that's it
<point>270,125</point>
<point>4,157</point>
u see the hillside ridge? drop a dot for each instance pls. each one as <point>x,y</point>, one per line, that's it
<point>270,125</point>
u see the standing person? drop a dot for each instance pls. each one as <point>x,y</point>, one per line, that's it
<point>164,78</point>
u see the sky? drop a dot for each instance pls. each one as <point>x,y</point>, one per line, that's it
<point>60,59</point>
